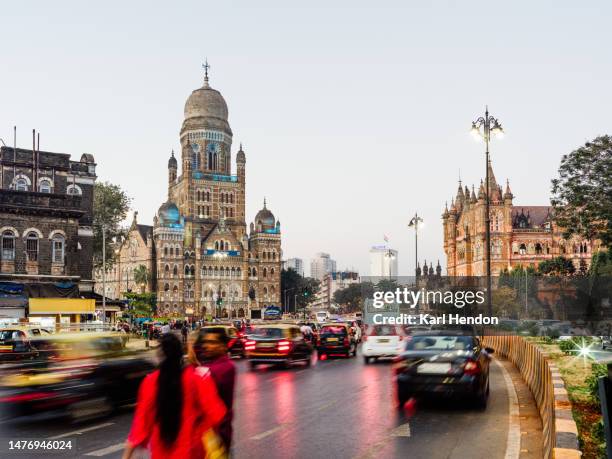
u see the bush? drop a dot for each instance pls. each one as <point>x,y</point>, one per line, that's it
<point>571,346</point>
<point>597,370</point>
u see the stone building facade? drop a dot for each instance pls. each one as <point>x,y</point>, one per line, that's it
<point>205,260</point>
<point>46,216</point>
<point>520,235</point>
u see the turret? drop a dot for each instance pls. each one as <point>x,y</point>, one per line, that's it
<point>508,194</point>
<point>172,169</point>
<point>240,164</point>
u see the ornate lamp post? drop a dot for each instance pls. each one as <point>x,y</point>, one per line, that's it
<point>484,128</point>
<point>414,223</point>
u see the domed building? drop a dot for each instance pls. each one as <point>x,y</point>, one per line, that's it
<point>206,263</point>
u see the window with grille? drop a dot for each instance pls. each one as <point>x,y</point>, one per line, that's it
<point>58,249</point>
<point>32,246</point>
<point>44,186</point>
<point>8,245</point>
<point>21,185</point>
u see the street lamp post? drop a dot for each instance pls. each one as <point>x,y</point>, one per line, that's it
<point>103,275</point>
<point>414,223</point>
<point>483,127</point>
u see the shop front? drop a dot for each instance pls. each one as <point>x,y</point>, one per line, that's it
<point>61,313</point>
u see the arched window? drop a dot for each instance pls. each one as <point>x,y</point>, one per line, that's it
<point>239,273</point>
<point>265,272</point>
<point>226,245</point>
<point>21,184</point>
<point>32,246</point>
<point>57,247</point>
<point>538,248</point>
<point>232,198</point>
<point>265,291</point>
<point>8,245</point>
<point>272,290</point>
<point>175,290</point>
<point>216,245</point>
<point>44,186</point>
<point>177,251</point>
<point>272,272</point>
<point>74,190</point>
<point>175,271</point>
<point>254,272</point>
<point>195,161</point>
<point>165,251</point>
<point>216,272</point>
<point>186,270</point>
<point>166,287</point>
<point>522,249</point>
<point>167,270</point>
<point>208,196</point>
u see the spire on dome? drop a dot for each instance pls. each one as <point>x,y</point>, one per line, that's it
<point>265,203</point>
<point>508,193</point>
<point>206,66</point>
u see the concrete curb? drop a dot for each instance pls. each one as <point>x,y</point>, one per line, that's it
<point>566,431</point>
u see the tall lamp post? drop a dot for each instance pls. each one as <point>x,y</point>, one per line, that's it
<point>414,223</point>
<point>484,128</point>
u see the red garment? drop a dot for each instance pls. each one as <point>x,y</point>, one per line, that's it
<point>202,409</point>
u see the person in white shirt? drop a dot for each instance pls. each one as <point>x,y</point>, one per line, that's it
<point>165,329</point>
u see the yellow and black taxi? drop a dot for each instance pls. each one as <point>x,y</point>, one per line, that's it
<point>277,344</point>
<point>336,339</point>
<point>16,342</point>
<point>82,375</point>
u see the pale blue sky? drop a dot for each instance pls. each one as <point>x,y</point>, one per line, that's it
<point>353,116</point>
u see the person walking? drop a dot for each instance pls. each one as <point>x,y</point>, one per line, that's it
<point>210,350</point>
<point>184,332</point>
<point>177,408</point>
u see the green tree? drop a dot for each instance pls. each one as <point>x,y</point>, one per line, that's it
<point>110,208</point>
<point>351,298</point>
<point>558,266</point>
<point>505,302</point>
<point>141,276</point>
<point>141,304</point>
<point>582,195</point>
<point>290,284</point>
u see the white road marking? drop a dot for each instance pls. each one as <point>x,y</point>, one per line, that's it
<point>401,431</point>
<point>80,431</point>
<point>108,450</point>
<point>266,433</point>
<point>513,441</point>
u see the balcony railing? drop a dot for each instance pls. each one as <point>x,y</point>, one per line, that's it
<point>41,201</point>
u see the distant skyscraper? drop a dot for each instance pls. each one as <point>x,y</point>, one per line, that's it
<point>320,265</point>
<point>297,264</point>
<point>383,261</point>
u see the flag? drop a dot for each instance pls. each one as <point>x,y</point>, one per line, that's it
<point>386,238</point>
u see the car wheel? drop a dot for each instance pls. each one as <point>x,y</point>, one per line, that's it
<point>481,399</point>
<point>252,366</point>
<point>366,360</point>
<point>308,360</point>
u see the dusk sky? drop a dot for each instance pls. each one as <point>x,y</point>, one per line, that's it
<point>352,117</point>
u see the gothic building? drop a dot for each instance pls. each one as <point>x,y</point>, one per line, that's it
<point>520,235</point>
<point>203,259</point>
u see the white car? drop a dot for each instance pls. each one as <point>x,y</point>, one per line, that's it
<point>382,341</point>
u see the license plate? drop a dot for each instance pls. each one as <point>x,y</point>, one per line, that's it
<point>266,345</point>
<point>383,340</point>
<point>332,340</point>
<point>434,368</point>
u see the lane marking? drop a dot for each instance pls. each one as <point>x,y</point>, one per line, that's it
<point>513,440</point>
<point>266,433</point>
<point>81,431</point>
<point>401,431</point>
<point>108,450</point>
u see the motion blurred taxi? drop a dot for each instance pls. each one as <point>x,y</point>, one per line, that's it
<point>82,375</point>
<point>277,344</point>
<point>16,342</point>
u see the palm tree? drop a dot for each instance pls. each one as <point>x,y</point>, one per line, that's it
<point>141,277</point>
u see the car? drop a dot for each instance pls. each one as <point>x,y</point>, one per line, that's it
<point>382,341</point>
<point>336,339</point>
<point>82,375</point>
<point>443,362</point>
<point>16,342</point>
<point>280,344</point>
<point>235,340</point>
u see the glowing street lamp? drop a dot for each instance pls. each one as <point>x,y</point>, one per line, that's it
<point>414,223</point>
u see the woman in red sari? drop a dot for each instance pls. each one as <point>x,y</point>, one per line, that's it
<point>175,408</point>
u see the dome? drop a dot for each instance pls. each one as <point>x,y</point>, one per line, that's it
<point>265,218</point>
<point>172,164</point>
<point>169,214</point>
<point>206,102</point>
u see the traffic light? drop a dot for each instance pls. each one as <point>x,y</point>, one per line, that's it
<point>306,294</point>
<point>219,301</point>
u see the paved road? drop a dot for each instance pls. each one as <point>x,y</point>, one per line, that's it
<point>335,409</point>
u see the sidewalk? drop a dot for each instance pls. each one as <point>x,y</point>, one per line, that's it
<point>139,344</point>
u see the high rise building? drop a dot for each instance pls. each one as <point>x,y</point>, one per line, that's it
<point>297,264</point>
<point>383,261</point>
<point>331,283</point>
<point>320,265</point>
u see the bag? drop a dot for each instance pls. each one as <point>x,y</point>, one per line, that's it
<point>214,448</point>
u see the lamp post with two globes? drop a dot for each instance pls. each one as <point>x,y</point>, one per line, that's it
<point>484,128</point>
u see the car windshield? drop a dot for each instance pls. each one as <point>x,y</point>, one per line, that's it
<point>439,343</point>
<point>333,330</point>
<point>383,330</point>
<point>264,332</point>
<point>9,334</point>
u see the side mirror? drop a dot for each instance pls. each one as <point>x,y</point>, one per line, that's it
<point>489,350</point>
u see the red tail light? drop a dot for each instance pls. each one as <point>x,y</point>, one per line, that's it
<point>283,346</point>
<point>249,345</point>
<point>27,397</point>
<point>471,368</point>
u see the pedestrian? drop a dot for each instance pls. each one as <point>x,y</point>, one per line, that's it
<point>184,332</point>
<point>165,329</point>
<point>210,350</point>
<point>177,408</point>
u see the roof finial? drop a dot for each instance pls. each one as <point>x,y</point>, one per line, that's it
<point>173,152</point>
<point>264,202</point>
<point>240,146</point>
<point>459,176</point>
<point>205,66</point>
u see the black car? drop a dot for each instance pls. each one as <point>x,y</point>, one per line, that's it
<point>80,375</point>
<point>443,362</point>
<point>277,344</point>
<point>336,340</point>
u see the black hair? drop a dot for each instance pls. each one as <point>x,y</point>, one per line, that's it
<point>220,332</point>
<point>169,400</point>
